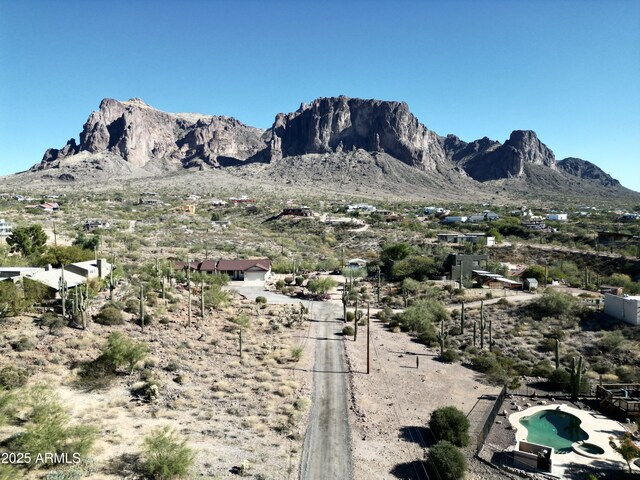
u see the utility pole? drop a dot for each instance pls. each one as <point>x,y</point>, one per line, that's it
<point>189,290</point>
<point>63,292</point>
<point>368,338</point>
<point>378,283</point>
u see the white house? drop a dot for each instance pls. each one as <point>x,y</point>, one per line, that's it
<point>5,228</point>
<point>623,308</point>
<point>558,217</point>
<point>454,220</point>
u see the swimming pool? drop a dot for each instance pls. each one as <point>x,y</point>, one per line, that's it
<point>554,428</point>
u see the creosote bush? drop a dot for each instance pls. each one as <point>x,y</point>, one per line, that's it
<point>449,423</point>
<point>48,429</point>
<point>166,455</point>
<point>447,460</point>
<point>121,351</point>
<point>109,316</point>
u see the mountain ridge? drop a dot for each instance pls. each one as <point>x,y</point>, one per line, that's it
<point>152,142</point>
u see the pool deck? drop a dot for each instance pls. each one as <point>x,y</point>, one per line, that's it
<point>598,427</point>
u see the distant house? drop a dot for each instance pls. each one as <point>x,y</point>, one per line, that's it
<point>611,289</point>
<point>629,217</point>
<point>453,219</point>
<point>462,265</point>
<point>249,270</point>
<point>361,207</point>
<point>301,211</point>
<point>241,199</point>
<point>188,209</point>
<point>357,263</point>
<point>90,269</point>
<point>216,202</point>
<point>623,308</point>
<point>534,223</point>
<point>5,228</point>
<point>90,225</point>
<point>485,216</point>
<point>462,238</point>
<point>557,217</point>
<point>47,207</point>
<point>494,280</point>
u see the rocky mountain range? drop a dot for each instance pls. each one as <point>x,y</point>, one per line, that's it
<point>130,137</point>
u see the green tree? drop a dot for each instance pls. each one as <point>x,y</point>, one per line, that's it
<point>392,252</point>
<point>58,256</point>
<point>535,271</point>
<point>87,243</point>
<point>626,448</point>
<point>447,460</point>
<point>166,455</point>
<point>421,318</point>
<point>450,424</point>
<point>415,266</point>
<point>27,240</point>
<point>321,285</point>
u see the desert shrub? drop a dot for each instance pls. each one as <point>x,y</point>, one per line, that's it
<point>12,376</point>
<point>560,377</point>
<point>121,351</point>
<point>8,472</point>
<point>553,304</point>
<point>351,316</point>
<point>299,281</point>
<point>610,342</point>
<point>109,316</point>
<point>484,362</point>
<point>296,353</point>
<point>447,460</point>
<point>215,297</point>
<point>543,369</point>
<point>420,318</point>
<point>260,300</point>
<point>7,406</point>
<point>627,374</point>
<point>132,305</point>
<point>280,284</point>
<point>242,320</point>
<point>450,424</point>
<point>348,330</point>
<point>51,321</point>
<point>22,344</point>
<point>48,429</point>
<point>148,319</point>
<point>450,356</point>
<point>547,345</point>
<point>166,455</point>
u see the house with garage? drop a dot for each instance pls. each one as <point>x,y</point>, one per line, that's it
<point>249,270</point>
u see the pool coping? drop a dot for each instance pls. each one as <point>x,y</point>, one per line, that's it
<point>598,428</point>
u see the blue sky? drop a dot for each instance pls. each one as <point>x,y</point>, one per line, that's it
<point>570,70</point>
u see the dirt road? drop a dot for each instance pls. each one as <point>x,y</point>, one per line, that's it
<point>326,452</point>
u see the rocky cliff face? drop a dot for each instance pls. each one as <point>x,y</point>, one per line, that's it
<point>134,137</point>
<point>140,134</point>
<point>333,125</point>
<point>587,170</point>
<point>488,160</point>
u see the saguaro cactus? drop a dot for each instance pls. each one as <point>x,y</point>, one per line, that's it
<point>442,337</point>
<point>142,306</point>
<point>345,301</point>
<point>490,336</point>
<point>557,350</point>
<point>462,319</point>
<point>474,332</point>
<point>576,371</point>
<point>482,324</point>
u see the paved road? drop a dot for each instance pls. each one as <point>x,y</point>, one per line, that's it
<point>326,452</point>
<point>253,291</point>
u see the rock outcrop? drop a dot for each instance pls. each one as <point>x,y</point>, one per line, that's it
<point>132,138</point>
<point>140,134</point>
<point>488,160</point>
<point>333,125</point>
<point>587,170</point>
